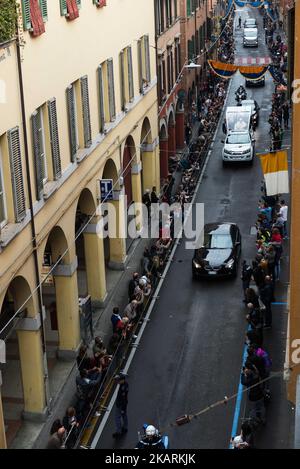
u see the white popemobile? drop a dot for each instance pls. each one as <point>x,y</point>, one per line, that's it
<point>239,144</point>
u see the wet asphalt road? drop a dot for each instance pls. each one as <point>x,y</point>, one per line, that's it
<point>191,352</point>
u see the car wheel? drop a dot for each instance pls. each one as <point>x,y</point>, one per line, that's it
<point>224,163</point>
<point>251,162</point>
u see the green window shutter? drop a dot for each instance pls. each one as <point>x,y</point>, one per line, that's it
<point>16,173</point>
<point>147,58</point>
<point>188,8</point>
<point>130,73</point>
<point>72,121</point>
<point>54,138</point>
<point>78,3</point>
<point>26,14</point>
<point>122,80</point>
<point>111,89</point>
<point>140,65</point>
<point>101,99</point>
<point>44,10</point>
<point>37,152</point>
<point>63,7</point>
<point>86,111</point>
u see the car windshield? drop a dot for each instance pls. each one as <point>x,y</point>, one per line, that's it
<point>250,21</point>
<point>238,138</point>
<point>251,33</point>
<point>217,241</point>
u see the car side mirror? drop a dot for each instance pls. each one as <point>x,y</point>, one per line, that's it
<point>253,140</point>
<point>238,243</point>
<point>222,141</point>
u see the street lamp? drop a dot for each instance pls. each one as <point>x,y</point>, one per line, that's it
<point>193,66</point>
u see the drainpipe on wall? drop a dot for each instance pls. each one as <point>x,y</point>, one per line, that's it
<point>32,223</point>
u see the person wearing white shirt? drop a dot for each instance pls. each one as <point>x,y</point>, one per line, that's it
<point>283,211</point>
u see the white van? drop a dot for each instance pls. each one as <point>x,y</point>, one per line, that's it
<point>239,144</point>
<point>250,37</point>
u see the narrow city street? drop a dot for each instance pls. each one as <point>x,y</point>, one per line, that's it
<point>191,352</point>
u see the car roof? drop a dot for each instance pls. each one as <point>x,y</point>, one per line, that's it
<point>250,30</point>
<point>248,101</point>
<point>250,20</point>
<point>218,228</point>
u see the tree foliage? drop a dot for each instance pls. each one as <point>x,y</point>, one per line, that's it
<point>8,17</point>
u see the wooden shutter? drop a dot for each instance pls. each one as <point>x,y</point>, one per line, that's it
<point>111,89</point>
<point>37,152</point>
<point>122,80</point>
<point>130,74</point>
<point>44,10</point>
<point>86,111</point>
<point>140,64</point>
<point>63,7</point>
<point>188,7</point>
<point>54,138</point>
<point>72,121</point>
<point>16,173</point>
<point>147,58</point>
<point>101,100</point>
<point>26,14</point>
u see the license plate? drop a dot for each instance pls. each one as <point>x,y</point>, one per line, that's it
<point>212,272</point>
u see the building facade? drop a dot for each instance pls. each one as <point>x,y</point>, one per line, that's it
<point>183,34</point>
<point>78,105</point>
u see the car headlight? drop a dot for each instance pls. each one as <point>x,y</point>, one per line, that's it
<point>229,264</point>
<point>198,266</point>
<point>228,152</point>
<point>246,151</point>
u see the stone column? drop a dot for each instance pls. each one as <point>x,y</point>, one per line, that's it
<point>179,134</point>
<point>164,168</point>
<point>117,221</point>
<point>171,141</point>
<point>137,193</point>
<point>33,371</point>
<point>67,308</point>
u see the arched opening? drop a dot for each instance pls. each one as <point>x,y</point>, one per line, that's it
<point>12,385</point>
<point>129,168</point>
<point>171,138</point>
<point>146,139</point>
<point>163,152</point>
<point>55,248</point>
<point>109,172</point>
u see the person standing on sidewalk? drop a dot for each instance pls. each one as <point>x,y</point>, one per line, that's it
<point>283,211</point>
<point>267,296</point>
<point>121,419</point>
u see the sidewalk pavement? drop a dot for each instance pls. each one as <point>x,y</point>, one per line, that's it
<point>36,434</point>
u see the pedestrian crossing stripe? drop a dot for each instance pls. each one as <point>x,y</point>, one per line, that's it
<point>253,61</point>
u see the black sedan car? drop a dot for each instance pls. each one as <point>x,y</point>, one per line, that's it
<point>218,257</point>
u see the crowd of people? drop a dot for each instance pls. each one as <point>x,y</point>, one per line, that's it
<point>258,280</point>
<point>226,46</point>
<point>278,119</point>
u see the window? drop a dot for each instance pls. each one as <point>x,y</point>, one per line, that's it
<point>106,93</point>
<point>177,58</point>
<point>188,8</point>
<point>86,111</point>
<point>126,76</point>
<point>16,172</point>
<point>54,138</point>
<point>70,8</point>
<point>217,241</point>
<point>73,121</point>
<point>144,65</point>
<point>2,197</point>
<point>35,14</point>
<point>39,151</point>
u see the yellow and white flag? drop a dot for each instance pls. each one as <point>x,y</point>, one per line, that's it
<point>275,169</point>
